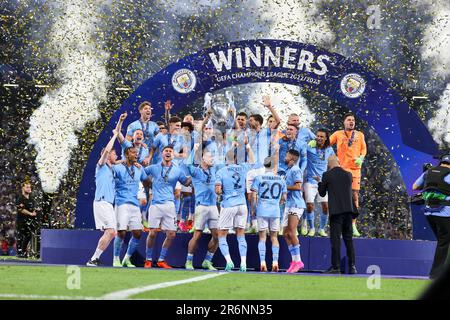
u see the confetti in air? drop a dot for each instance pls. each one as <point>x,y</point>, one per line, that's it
<point>436,48</point>
<point>81,73</point>
<point>63,44</point>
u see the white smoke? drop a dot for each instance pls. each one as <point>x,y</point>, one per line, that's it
<point>81,73</point>
<point>285,98</point>
<point>436,49</point>
<point>294,20</point>
<point>440,124</point>
<point>436,41</point>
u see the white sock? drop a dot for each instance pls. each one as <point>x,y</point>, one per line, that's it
<point>126,257</point>
<point>244,261</point>
<point>97,254</point>
<point>228,258</point>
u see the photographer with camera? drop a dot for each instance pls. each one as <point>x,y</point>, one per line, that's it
<point>435,183</point>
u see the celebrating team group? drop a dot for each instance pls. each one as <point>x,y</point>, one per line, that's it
<point>221,176</point>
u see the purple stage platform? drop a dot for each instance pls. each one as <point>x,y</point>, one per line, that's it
<point>394,257</point>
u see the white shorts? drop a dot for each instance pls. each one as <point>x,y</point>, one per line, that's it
<point>162,216</point>
<point>183,188</point>
<point>272,224</point>
<point>233,217</point>
<point>251,174</point>
<point>128,217</point>
<point>311,192</point>
<point>291,211</point>
<point>206,215</point>
<point>104,215</point>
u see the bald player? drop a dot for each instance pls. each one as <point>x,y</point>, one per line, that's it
<point>351,151</point>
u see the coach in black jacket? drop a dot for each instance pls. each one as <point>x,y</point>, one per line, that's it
<point>338,183</point>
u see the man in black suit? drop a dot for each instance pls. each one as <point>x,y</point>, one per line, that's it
<point>338,183</point>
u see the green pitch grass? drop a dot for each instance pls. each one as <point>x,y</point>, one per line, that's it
<point>50,282</point>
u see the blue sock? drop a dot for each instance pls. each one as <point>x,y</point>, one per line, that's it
<point>192,208</point>
<point>291,250</point>
<point>177,205</point>
<point>297,251</point>
<point>249,216</point>
<point>209,256</point>
<point>117,246</point>
<point>132,246</point>
<point>149,254</point>
<point>323,220</point>
<point>310,218</point>
<point>275,253</point>
<point>262,251</point>
<point>223,245</point>
<point>185,207</point>
<point>143,212</point>
<point>242,246</point>
<point>282,207</point>
<point>163,254</point>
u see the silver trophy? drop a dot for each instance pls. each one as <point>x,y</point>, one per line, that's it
<point>223,109</point>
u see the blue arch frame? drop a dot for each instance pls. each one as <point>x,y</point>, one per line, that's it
<point>398,126</point>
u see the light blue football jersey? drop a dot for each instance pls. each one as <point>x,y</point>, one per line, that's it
<point>269,188</point>
<point>164,180</point>
<point>232,179</point>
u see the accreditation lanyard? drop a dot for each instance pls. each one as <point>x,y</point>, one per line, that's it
<point>145,129</point>
<point>292,144</point>
<point>130,171</point>
<point>352,138</point>
<point>139,154</point>
<point>321,153</point>
<point>208,175</point>
<point>169,140</point>
<point>166,175</point>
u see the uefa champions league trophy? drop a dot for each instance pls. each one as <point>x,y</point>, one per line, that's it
<point>223,110</point>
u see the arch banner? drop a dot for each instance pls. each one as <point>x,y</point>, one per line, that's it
<point>347,83</point>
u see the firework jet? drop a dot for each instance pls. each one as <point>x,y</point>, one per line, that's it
<point>83,81</point>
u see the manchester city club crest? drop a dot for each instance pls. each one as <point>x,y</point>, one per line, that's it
<point>353,85</point>
<point>184,81</point>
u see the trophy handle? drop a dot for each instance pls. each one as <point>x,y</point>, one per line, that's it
<point>207,103</point>
<point>230,98</point>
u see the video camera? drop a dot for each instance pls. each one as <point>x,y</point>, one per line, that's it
<point>417,199</point>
